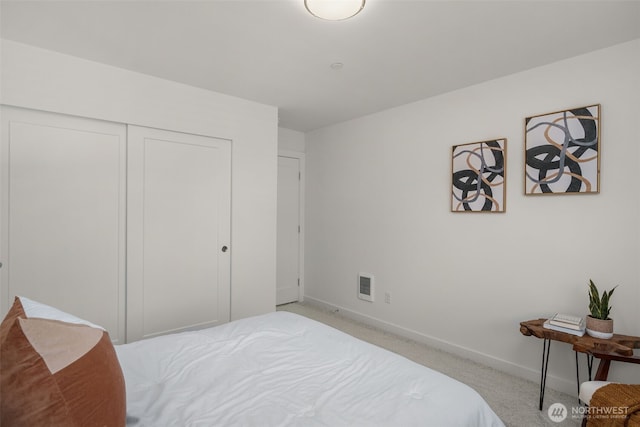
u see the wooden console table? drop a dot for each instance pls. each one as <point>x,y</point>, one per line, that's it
<point>622,345</point>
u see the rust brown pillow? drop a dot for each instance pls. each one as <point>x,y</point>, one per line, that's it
<point>58,374</point>
<point>16,310</point>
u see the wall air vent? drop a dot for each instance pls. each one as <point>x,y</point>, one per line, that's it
<point>365,287</point>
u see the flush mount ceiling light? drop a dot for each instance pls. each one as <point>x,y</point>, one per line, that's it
<point>334,10</point>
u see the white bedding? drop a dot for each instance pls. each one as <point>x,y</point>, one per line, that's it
<point>281,369</point>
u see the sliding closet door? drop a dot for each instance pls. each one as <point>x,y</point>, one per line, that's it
<point>178,253</point>
<point>63,214</point>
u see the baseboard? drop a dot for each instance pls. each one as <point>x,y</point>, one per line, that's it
<point>553,382</point>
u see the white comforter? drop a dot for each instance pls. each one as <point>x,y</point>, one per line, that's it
<point>281,369</point>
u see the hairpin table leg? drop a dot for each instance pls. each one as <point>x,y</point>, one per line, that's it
<point>546,346</point>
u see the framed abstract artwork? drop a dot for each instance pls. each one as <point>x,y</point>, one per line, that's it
<point>478,172</point>
<point>562,152</point>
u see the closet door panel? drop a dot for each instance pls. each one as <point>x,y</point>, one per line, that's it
<point>63,214</point>
<point>179,213</point>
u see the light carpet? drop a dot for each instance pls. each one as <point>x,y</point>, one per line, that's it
<point>513,399</point>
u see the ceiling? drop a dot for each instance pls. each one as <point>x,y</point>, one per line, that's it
<point>274,52</point>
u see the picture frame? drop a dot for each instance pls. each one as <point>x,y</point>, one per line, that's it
<point>478,176</point>
<point>562,152</point>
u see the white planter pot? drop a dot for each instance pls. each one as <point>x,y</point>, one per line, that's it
<point>599,328</point>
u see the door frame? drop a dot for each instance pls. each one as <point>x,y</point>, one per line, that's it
<point>301,200</point>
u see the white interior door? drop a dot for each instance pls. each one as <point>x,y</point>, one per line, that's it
<point>63,214</point>
<point>288,246</point>
<point>178,232</point>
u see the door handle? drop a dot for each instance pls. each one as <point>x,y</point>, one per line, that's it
<point>225,248</point>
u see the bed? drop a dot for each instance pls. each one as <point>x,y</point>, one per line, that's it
<point>282,369</point>
<point>277,369</point>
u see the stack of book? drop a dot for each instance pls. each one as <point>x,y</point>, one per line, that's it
<point>566,323</point>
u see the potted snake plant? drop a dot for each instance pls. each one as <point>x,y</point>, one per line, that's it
<point>599,324</point>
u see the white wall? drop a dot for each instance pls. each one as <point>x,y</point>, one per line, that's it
<point>44,80</point>
<point>291,140</point>
<point>378,201</point>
